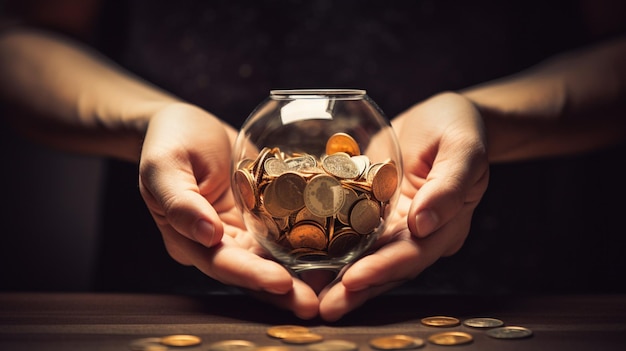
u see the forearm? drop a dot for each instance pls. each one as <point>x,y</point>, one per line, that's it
<point>67,95</point>
<point>572,103</point>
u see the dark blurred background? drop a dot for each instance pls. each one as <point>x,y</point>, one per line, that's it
<point>72,222</point>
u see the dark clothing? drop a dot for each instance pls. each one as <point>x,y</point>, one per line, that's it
<point>547,225</point>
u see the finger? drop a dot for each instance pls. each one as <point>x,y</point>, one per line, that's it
<point>317,279</point>
<point>302,300</point>
<point>401,259</point>
<point>453,183</point>
<point>406,256</point>
<point>338,301</point>
<point>231,264</point>
<point>390,266</point>
<point>184,211</point>
<point>181,172</point>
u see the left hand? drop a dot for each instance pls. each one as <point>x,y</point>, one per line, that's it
<point>446,172</point>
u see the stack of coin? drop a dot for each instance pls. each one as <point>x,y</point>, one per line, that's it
<point>316,207</point>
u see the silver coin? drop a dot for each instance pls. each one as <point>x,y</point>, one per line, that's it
<point>483,322</point>
<point>274,167</point>
<point>341,165</point>
<point>510,332</point>
<point>324,196</point>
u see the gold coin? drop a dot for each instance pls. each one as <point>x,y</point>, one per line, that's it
<point>483,322</point>
<point>396,342</point>
<point>273,348</point>
<point>281,331</point>
<point>307,234</point>
<point>181,340</point>
<point>305,215</point>
<point>334,345</point>
<point>271,203</point>
<point>440,321</point>
<point>302,338</point>
<point>450,338</point>
<point>323,195</point>
<point>232,345</point>
<point>259,163</point>
<point>246,188</point>
<point>344,212</point>
<point>147,344</point>
<point>511,332</point>
<point>365,216</point>
<point>342,142</point>
<point>288,188</point>
<point>342,242</point>
<point>245,163</point>
<point>384,182</point>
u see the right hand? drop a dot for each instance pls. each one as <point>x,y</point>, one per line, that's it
<point>184,178</point>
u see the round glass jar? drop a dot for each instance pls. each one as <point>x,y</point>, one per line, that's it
<point>316,173</point>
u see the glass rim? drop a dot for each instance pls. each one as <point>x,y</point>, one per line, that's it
<point>317,92</point>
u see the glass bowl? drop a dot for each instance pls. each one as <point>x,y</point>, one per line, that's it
<point>316,174</point>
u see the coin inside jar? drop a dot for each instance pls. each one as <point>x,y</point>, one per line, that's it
<point>342,142</point>
<point>365,216</point>
<point>279,191</point>
<point>323,195</point>
<point>385,181</point>
<point>288,188</point>
<point>247,189</point>
<point>342,242</point>
<point>341,166</point>
<point>307,234</point>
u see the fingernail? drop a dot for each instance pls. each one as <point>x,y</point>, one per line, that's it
<point>426,222</point>
<point>204,229</point>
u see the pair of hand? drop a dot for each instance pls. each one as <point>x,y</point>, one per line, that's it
<point>185,182</point>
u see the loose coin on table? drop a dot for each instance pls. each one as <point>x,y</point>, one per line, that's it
<point>232,345</point>
<point>302,338</point>
<point>510,332</point>
<point>440,321</point>
<point>482,322</point>
<point>147,344</point>
<point>396,342</point>
<point>282,331</point>
<point>181,340</point>
<point>450,338</point>
<point>272,348</point>
<point>333,345</point>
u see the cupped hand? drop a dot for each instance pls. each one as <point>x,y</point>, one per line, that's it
<point>446,173</point>
<point>184,178</point>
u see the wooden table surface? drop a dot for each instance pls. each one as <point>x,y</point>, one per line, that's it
<point>90,321</point>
